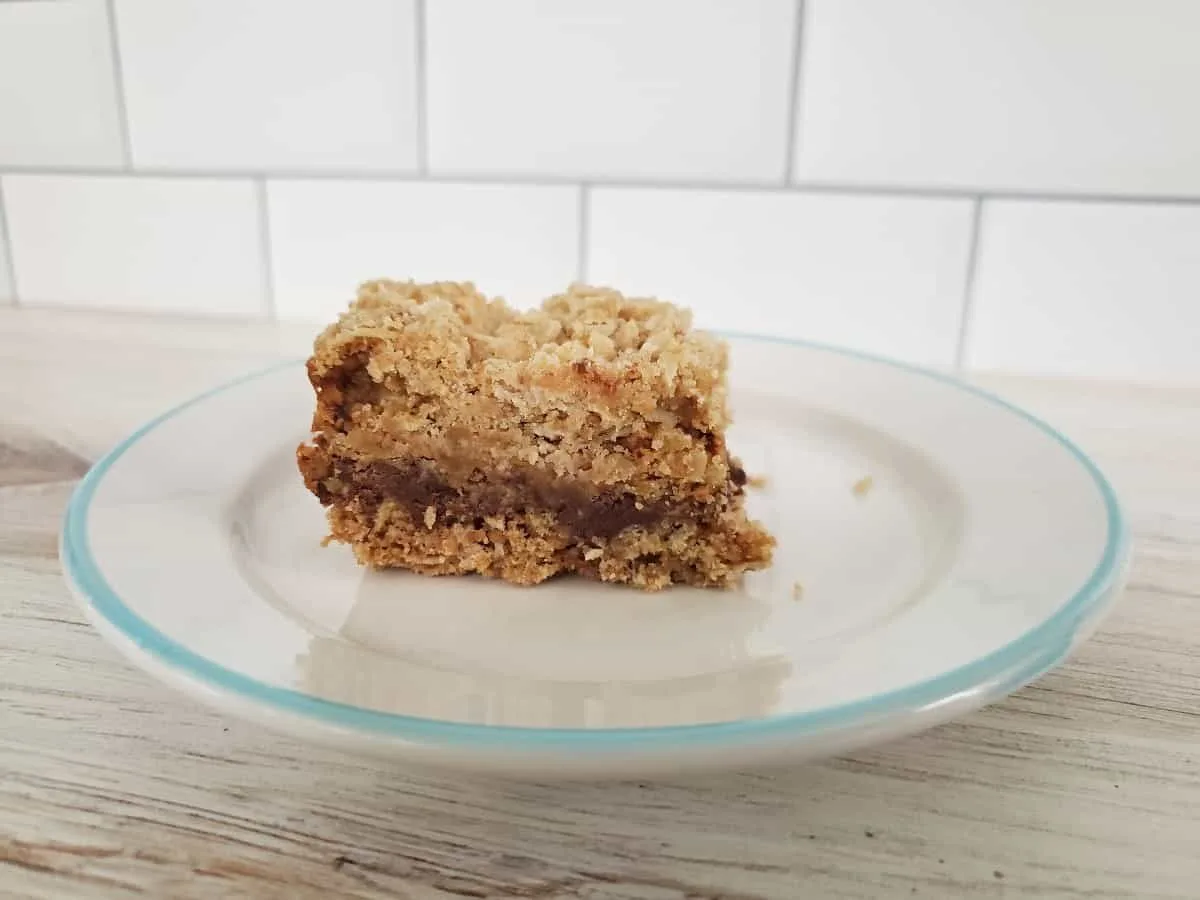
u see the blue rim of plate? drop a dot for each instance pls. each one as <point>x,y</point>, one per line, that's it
<point>991,676</point>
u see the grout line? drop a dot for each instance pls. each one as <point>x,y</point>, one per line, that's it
<point>422,87</point>
<point>264,246</point>
<point>585,214</point>
<point>793,111</point>
<point>977,193</point>
<point>6,250</point>
<point>753,187</point>
<point>119,84</point>
<point>968,295</point>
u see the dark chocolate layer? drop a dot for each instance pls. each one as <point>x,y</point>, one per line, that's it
<point>416,485</point>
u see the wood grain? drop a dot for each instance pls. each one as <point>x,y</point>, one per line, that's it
<point>1086,784</point>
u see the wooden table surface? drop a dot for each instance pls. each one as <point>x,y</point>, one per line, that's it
<point>1085,784</point>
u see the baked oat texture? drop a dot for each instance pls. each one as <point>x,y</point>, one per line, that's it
<point>453,435</point>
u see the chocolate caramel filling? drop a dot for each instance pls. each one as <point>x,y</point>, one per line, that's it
<point>585,513</point>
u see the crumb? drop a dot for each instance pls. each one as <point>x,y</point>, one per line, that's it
<point>869,833</point>
<point>797,590</point>
<point>997,874</point>
<point>941,861</point>
<point>758,482</point>
<point>863,486</point>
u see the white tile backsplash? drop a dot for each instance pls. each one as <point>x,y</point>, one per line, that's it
<point>805,167</point>
<point>882,274</point>
<point>160,244</point>
<point>519,242</point>
<point>58,98</point>
<point>270,84</point>
<point>670,89</point>
<point>1088,289</point>
<point>1062,96</point>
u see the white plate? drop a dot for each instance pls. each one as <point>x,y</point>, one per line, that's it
<point>986,547</point>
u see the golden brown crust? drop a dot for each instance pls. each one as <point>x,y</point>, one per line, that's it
<point>609,394</point>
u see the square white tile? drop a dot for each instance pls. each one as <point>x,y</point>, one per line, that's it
<point>1075,95</point>
<point>189,245</point>
<point>881,274</point>
<point>327,237</point>
<point>58,99</point>
<point>1075,288</point>
<point>624,88</point>
<point>270,84</point>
